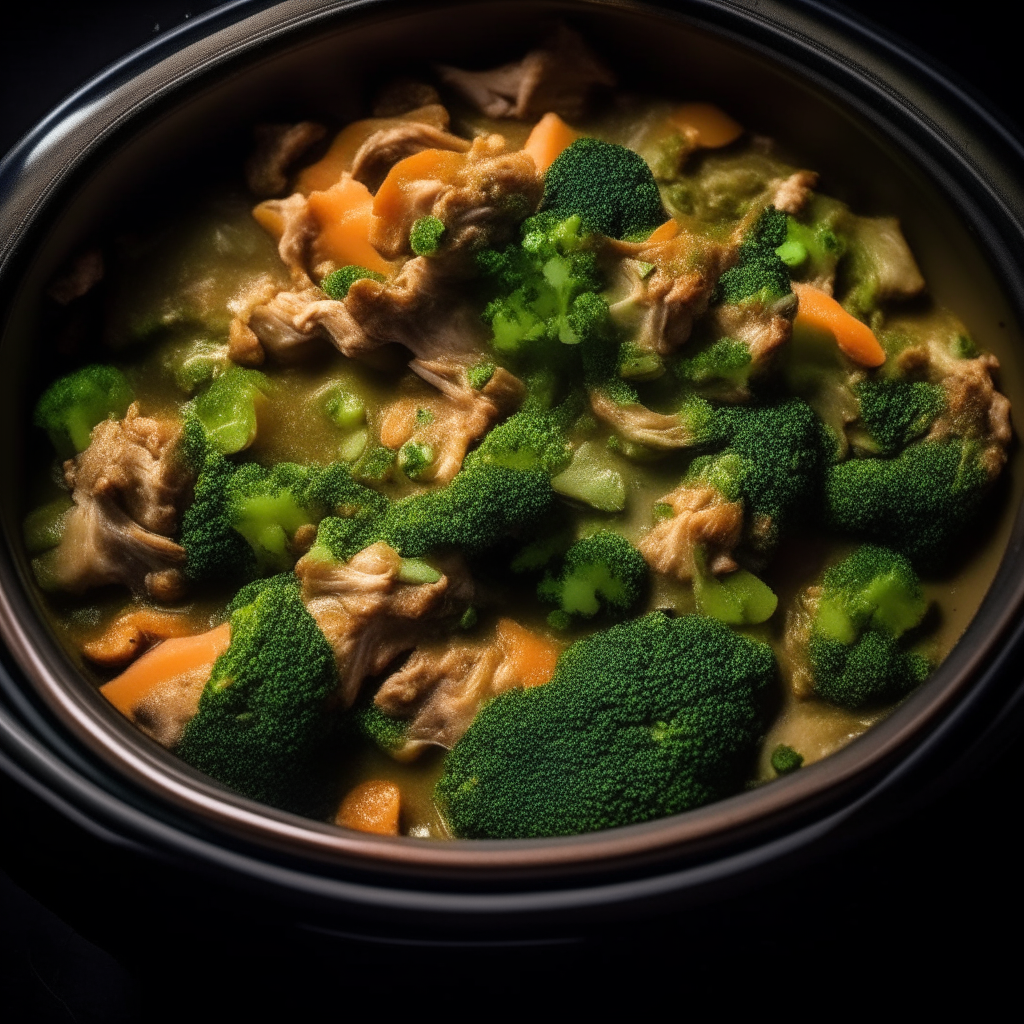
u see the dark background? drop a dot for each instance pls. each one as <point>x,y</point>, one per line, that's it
<point>927,910</point>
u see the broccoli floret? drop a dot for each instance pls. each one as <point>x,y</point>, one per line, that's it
<point>896,412</point>
<point>70,407</point>
<point>775,460</point>
<point>759,270</point>
<point>342,407</point>
<point>868,601</point>
<point>811,251</point>
<point>601,572</point>
<point>263,720</point>
<point>916,502</point>
<point>786,759</point>
<point>389,734</point>
<point>243,517</point>
<point>545,290</point>
<point>194,362</point>
<point>480,506</point>
<point>529,440</point>
<point>227,408</point>
<point>415,458</point>
<point>338,282</point>
<point>375,465</point>
<point>478,376</point>
<point>44,527</point>
<point>720,370</point>
<point>609,187</point>
<point>425,236</point>
<point>645,719</point>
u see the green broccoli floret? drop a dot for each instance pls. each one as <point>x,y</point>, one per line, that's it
<point>786,759</point>
<point>916,502</point>
<point>896,412</point>
<point>389,734</point>
<point>545,289</point>
<point>478,376</point>
<point>227,408</point>
<point>194,362</point>
<point>811,251</point>
<point>338,282</point>
<point>480,506</point>
<point>425,236</point>
<point>775,459</point>
<point>243,517</point>
<point>70,407</point>
<point>528,440</point>
<point>646,719</point>
<point>342,407</point>
<point>263,719</point>
<point>601,572</point>
<point>609,187</point>
<point>759,270</point>
<point>722,370</point>
<point>868,601</point>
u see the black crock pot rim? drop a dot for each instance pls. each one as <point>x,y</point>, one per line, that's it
<point>231,14</point>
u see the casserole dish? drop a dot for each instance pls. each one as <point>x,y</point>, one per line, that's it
<point>195,93</point>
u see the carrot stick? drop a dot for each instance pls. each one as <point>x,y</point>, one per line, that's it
<point>371,806</point>
<point>531,657</point>
<point>854,338</point>
<point>168,660</point>
<point>128,636</point>
<point>705,125</point>
<point>550,135</point>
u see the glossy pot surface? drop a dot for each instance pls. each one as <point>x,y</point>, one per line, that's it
<point>849,104</point>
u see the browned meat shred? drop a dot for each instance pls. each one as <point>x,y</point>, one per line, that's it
<point>279,147</point>
<point>127,488</point>
<point>560,76</point>
<point>403,95</point>
<point>382,150</point>
<point>702,518</point>
<point>369,615</point>
<point>480,206</point>
<point>974,408</point>
<point>641,425</point>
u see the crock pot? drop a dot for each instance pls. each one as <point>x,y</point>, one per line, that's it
<point>840,97</point>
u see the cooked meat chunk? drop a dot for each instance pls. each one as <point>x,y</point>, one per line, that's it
<point>369,615</point>
<point>244,346</point>
<point>974,408</point>
<point>403,95</point>
<point>480,200</point>
<point>278,148</point>
<point>702,518</point>
<point>285,328</point>
<point>792,193</point>
<point>84,274</point>
<point>295,227</point>
<point>440,688</point>
<point>641,425</point>
<point>133,461</point>
<point>445,427</point>
<point>661,304</point>
<point>382,150</point>
<point>561,76</point>
<point>127,488</point>
<point>762,326</point>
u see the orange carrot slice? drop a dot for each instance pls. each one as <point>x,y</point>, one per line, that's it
<point>130,634</point>
<point>429,164</point>
<point>550,135</point>
<point>705,125</point>
<point>854,338</point>
<point>329,169</point>
<point>168,660</point>
<point>664,232</point>
<point>532,658</point>
<point>371,806</point>
<point>343,212</point>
